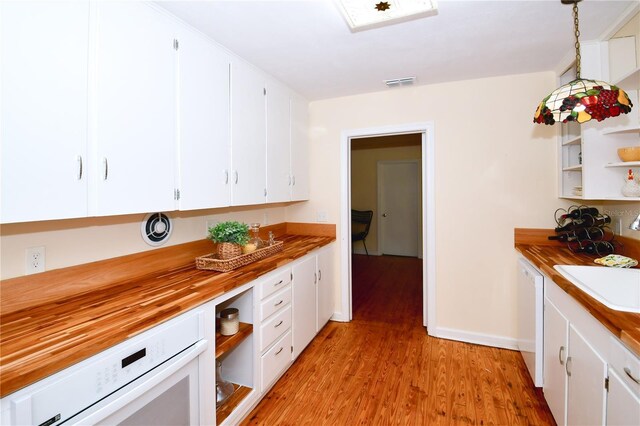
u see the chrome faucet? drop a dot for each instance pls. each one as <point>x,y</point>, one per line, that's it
<point>635,225</point>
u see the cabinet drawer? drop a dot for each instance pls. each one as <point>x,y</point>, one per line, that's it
<point>626,364</point>
<point>275,360</point>
<point>275,283</point>
<point>275,303</point>
<point>272,329</point>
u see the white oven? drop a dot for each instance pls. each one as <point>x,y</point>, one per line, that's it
<point>530,318</point>
<point>150,379</point>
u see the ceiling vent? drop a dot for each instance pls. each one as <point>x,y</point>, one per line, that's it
<point>395,82</point>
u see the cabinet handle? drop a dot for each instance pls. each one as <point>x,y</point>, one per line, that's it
<point>294,180</point>
<point>319,274</point>
<point>289,180</point>
<point>315,278</point>
<point>79,159</point>
<point>567,366</point>
<point>278,324</point>
<point>226,177</point>
<point>560,355</point>
<point>105,162</point>
<point>280,350</point>
<point>627,371</point>
<point>278,283</point>
<point>236,176</point>
<point>279,303</point>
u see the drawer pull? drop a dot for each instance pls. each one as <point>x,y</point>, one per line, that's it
<point>280,350</point>
<point>279,303</point>
<point>627,371</point>
<point>278,283</point>
<point>560,355</point>
<point>278,324</point>
<point>569,359</point>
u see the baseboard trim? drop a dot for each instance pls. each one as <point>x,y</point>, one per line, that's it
<point>337,316</point>
<point>476,338</point>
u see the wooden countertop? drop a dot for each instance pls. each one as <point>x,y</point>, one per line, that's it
<point>545,254</point>
<point>53,320</point>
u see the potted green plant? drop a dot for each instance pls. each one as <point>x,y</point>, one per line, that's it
<point>230,236</point>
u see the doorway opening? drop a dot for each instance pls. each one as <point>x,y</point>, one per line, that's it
<point>426,220</point>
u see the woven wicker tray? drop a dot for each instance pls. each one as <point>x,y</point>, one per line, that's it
<point>211,262</point>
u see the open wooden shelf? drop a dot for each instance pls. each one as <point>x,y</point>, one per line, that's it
<point>624,164</point>
<point>576,140</point>
<point>240,392</point>
<point>225,343</point>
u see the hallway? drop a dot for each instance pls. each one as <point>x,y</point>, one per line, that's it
<point>382,368</point>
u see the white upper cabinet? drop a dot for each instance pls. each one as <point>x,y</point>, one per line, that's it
<point>44,110</point>
<point>299,149</point>
<point>248,135</point>
<point>278,142</point>
<point>134,109</point>
<point>204,132</point>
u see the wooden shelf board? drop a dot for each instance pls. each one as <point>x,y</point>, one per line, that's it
<point>577,168</point>
<point>573,141</point>
<point>633,129</point>
<point>225,343</point>
<point>239,394</point>
<point>624,164</point>
<point>630,81</point>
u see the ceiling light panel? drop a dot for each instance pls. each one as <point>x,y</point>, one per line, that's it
<point>366,14</point>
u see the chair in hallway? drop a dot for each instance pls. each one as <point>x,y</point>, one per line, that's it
<point>360,224</point>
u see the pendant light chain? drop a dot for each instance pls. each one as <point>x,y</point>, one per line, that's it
<point>576,23</point>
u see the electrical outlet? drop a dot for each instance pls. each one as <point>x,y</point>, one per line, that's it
<point>322,216</point>
<point>35,260</point>
<point>618,225</point>
<point>265,219</point>
<point>210,224</point>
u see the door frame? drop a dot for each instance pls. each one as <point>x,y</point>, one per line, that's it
<point>428,216</point>
<point>379,166</point>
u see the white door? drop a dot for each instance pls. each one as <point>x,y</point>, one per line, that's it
<point>587,371</point>
<point>325,286</point>
<point>299,148</point>
<point>44,109</point>
<point>556,342</point>
<point>623,406</point>
<point>204,114</point>
<point>399,207</point>
<point>248,135</point>
<point>278,142</point>
<point>135,109</point>
<point>305,279</point>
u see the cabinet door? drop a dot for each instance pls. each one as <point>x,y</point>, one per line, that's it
<point>248,135</point>
<point>278,142</point>
<point>325,286</point>
<point>586,389</point>
<point>556,345</point>
<point>204,134</point>
<point>44,61</point>
<point>134,109</point>
<point>304,304</point>
<point>299,149</point>
<point>623,406</point>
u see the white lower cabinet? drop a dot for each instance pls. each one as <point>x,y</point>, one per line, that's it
<point>584,365</point>
<point>305,278</point>
<point>325,287</point>
<point>275,360</point>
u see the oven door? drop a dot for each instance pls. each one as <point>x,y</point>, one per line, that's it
<point>167,395</point>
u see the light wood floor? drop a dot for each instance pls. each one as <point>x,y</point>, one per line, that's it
<point>382,368</point>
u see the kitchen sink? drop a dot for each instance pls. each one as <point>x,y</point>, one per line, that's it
<point>616,288</point>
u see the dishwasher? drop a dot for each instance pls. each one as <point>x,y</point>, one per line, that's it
<point>530,291</point>
<point>149,379</point>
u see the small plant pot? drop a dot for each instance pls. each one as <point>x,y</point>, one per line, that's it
<point>229,250</point>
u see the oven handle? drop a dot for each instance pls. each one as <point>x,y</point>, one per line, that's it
<point>156,377</point>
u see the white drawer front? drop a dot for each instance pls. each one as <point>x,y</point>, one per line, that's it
<point>275,303</point>
<point>626,364</point>
<point>275,283</point>
<point>275,327</point>
<point>275,360</point>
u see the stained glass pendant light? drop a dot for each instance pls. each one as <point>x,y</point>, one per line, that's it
<point>582,99</point>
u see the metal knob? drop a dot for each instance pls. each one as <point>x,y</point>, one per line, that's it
<point>384,215</point>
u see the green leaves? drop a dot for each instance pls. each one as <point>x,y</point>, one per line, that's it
<point>230,232</point>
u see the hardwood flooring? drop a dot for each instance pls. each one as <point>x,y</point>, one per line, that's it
<point>382,368</point>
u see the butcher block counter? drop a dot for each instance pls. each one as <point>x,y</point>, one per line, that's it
<point>544,254</point>
<point>52,320</point>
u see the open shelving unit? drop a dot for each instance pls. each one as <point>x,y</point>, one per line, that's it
<point>236,354</point>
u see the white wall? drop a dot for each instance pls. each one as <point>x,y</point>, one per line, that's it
<point>76,241</point>
<point>494,169</point>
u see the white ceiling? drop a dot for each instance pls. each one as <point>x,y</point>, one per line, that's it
<point>307,44</point>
